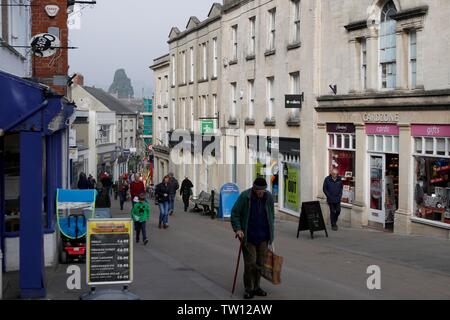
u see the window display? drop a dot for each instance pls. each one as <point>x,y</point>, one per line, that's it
<point>344,161</point>
<point>432,191</point>
<point>291,186</point>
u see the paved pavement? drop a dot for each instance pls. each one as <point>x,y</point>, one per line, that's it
<point>195,259</point>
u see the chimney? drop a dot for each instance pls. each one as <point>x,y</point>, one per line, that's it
<point>79,79</point>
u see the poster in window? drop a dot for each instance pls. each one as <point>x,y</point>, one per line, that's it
<point>292,194</point>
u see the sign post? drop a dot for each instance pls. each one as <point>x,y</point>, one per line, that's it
<point>311,219</point>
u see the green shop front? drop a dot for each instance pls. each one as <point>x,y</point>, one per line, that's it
<point>278,161</point>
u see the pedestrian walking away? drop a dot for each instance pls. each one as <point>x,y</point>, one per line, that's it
<point>253,220</point>
<point>92,182</point>
<point>137,187</point>
<point>333,188</point>
<point>123,191</point>
<point>162,197</point>
<point>141,215</point>
<point>103,200</point>
<point>186,192</point>
<point>173,188</point>
<point>83,182</point>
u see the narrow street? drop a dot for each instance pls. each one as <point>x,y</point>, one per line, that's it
<point>195,259</point>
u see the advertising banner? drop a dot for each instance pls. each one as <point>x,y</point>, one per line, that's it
<point>292,194</point>
<point>228,197</point>
<point>109,252</point>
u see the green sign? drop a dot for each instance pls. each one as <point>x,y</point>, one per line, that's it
<point>291,186</point>
<point>259,170</point>
<point>207,126</point>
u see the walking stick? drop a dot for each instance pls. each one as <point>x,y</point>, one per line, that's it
<point>237,267</point>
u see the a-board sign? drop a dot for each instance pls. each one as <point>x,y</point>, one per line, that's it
<point>228,197</point>
<point>311,219</point>
<point>109,252</point>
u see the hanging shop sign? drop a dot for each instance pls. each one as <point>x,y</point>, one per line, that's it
<point>428,130</point>
<point>109,252</point>
<point>52,10</point>
<point>294,101</point>
<point>73,153</point>
<point>44,45</point>
<point>382,129</point>
<point>382,117</point>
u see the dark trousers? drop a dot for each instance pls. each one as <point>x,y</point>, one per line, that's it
<point>186,202</point>
<point>123,199</point>
<point>335,212</point>
<point>138,227</point>
<point>254,258</point>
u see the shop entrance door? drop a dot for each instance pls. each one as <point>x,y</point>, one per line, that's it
<point>376,190</point>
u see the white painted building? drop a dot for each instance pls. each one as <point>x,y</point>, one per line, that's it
<point>15,30</point>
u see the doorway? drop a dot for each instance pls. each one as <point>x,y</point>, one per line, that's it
<point>383,190</point>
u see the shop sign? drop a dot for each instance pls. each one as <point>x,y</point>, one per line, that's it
<point>381,117</point>
<point>44,45</point>
<point>294,101</point>
<point>380,129</point>
<point>72,138</point>
<point>292,188</point>
<point>425,130</point>
<point>311,219</point>
<point>341,128</point>
<point>109,252</point>
<point>73,153</point>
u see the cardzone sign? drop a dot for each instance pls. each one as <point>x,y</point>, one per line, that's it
<point>52,10</point>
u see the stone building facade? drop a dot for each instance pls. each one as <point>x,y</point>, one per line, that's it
<point>387,127</point>
<point>373,78</point>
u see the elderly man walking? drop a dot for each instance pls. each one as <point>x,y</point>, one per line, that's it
<point>253,220</point>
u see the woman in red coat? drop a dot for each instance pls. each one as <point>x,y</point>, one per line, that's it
<point>137,188</point>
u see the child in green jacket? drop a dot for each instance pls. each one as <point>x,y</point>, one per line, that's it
<point>140,215</point>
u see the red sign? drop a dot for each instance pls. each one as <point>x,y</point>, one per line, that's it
<point>429,130</point>
<point>383,129</point>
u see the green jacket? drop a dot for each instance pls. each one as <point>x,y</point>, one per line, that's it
<point>141,212</point>
<point>240,214</point>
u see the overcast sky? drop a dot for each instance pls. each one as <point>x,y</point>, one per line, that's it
<point>128,34</point>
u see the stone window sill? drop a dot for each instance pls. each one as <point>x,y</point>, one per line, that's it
<point>293,46</point>
<point>270,123</point>
<point>249,122</point>
<point>250,57</point>
<point>270,53</point>
<point>233,62</point>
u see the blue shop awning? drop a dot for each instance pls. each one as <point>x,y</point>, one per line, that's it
<point>29,106</point>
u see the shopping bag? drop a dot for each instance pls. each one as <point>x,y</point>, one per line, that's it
<point>271,270</point>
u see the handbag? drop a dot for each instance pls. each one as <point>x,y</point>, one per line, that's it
<point>271,270</point>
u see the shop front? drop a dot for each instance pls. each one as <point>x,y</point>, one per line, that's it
<point>34,163</point>
<point>431,174</point>
<point>383,153</point>
<point>278,161</point>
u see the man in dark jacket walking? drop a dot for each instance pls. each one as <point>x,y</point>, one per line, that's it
<point>162,195</point>
<point>333,188</point>
<point>173,186</point>
<point>253,220</point>
<point>186,192</point>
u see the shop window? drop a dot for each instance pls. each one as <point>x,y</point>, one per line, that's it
<point>439,147</point>
<point>383,144</point>
<point>342,156</point>
<point>291,183</point>
<point>432,191</point>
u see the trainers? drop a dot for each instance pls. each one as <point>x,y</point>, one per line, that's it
<point>145,242</point>
<point>166,226</point>
<point>249,295</point>
<point>260,293</point>
<point>335,228</point>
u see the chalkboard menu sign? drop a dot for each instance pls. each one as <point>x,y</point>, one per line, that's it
<point>109,252</point>
<point>311,219</point>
